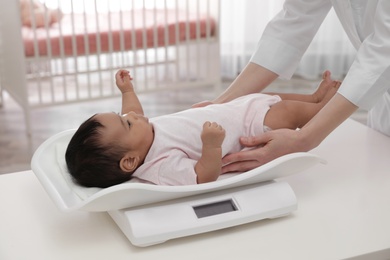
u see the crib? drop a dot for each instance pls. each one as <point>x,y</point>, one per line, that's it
<point>166,44</point>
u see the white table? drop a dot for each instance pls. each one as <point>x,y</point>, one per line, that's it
<point>343,212</point>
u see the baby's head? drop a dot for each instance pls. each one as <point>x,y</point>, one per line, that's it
<point>108,148</point>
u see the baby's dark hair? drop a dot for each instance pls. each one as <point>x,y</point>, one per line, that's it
<point>92,163</point>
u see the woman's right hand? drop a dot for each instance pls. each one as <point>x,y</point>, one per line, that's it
<point>264,148</point>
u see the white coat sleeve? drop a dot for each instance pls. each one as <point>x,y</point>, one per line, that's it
<point>288,35</point>
<point>369,76</point>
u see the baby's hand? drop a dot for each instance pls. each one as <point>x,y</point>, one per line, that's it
<point>123,81</point>
<point>212,135</point>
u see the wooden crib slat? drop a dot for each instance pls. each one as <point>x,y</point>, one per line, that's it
<point>145,47</point>
<point>49,63</point>
<point>166,42</point>
<point>121,35</point>
<point>133,43</point>
<point>110,46</point>
<point>197,39</point>
<point>74,52</point>
<point>188,67</point>
<point>64,67</point>
<point>208,34</point>
<point>36,59</point>
<point>87,52</point>
<point>155,45</point>
<point>178,53</point>
<point>99,50</point>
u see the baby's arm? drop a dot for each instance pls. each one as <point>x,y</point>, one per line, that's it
<point>208,168</point>
<point>130,101</point>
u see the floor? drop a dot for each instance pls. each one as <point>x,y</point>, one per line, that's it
<point>16,148</point>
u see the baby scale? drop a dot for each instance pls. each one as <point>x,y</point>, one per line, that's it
<point>151,214</point>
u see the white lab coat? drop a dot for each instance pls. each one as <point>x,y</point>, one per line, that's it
<point>367,24</point>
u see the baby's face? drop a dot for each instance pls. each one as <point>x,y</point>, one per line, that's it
<point>132,131</point>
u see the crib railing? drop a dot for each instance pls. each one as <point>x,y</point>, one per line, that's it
<point>70,50</point>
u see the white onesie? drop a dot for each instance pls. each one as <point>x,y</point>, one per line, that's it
<point>177,145</point>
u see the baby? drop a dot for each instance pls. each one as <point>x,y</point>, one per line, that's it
<point>182,148</point>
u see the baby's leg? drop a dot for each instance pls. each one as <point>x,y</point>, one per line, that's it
<point>325,90</point>
<point>294,114</point>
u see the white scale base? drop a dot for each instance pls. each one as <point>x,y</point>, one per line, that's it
<point>156,223</point>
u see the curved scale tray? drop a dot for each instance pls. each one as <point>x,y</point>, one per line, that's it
<point>48,164</point>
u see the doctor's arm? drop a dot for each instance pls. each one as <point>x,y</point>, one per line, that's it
<point>253,79</point>
<point>130,101</point>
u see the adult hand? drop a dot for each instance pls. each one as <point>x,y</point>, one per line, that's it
<point>264,148</point>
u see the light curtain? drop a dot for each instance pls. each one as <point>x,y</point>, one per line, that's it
<point>242,23</point>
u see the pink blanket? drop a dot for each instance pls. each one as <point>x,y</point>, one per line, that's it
<point>77,29</point>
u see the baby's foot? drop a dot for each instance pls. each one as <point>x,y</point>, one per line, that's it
<point>331,91</point>
<point>327,88</point>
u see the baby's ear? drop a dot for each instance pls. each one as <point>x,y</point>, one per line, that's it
<point>129,163</point>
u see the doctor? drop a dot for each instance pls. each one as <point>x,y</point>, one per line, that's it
<point>285,39</point>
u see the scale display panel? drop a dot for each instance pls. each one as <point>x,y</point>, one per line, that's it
<point>215,208</point>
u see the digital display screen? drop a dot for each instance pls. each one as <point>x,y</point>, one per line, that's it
<point>216,208</point>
